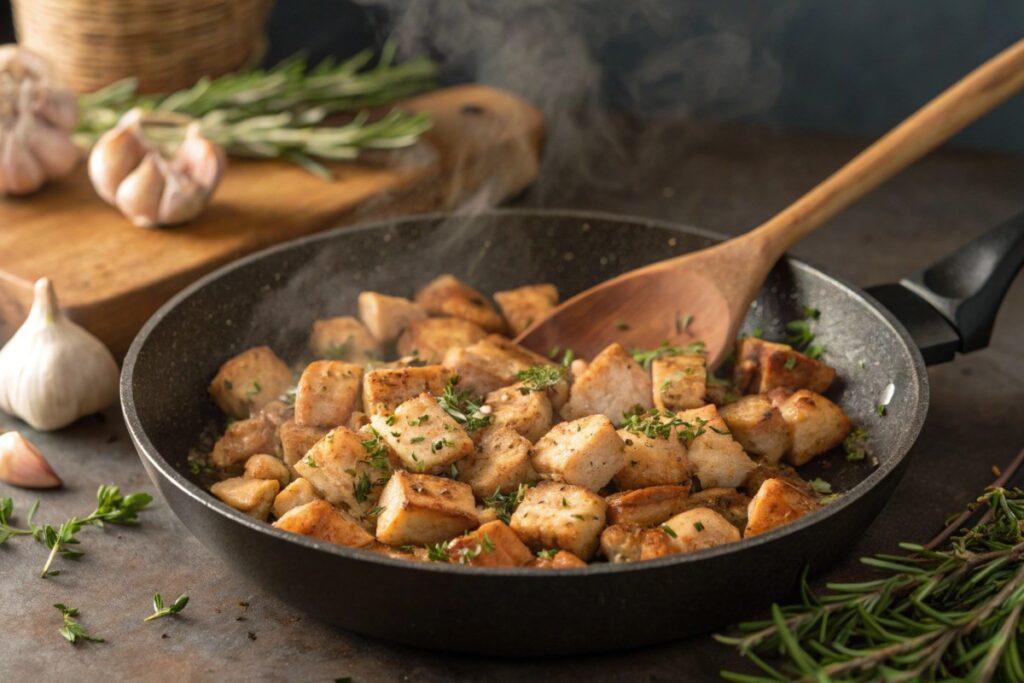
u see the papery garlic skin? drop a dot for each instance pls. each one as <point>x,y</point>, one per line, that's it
<point>52,371</point>
<point>37,118</point>
<point>148,189</point>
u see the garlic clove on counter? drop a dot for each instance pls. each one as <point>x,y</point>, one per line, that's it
<point>52,371</point>
<point>21,464</point>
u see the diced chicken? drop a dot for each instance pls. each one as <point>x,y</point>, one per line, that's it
<point>764,472</point>
<point>776,503</point>
<point>717,459</point>
<point>320,520</point>
<point>413,553</point>
<point>357,420</point>
<point>501,462</point>
<point>492,545</point>
<point>562,559</point>
<point>586,452</point>
<point>762,366</point>
<point>423,436</point>
<point>387,316</point>
<point>554,515</point>
<point>431,338</point>
<point>447,295</point>
<point>758,427</point>
<point>680,382</point>
<point>701,528</point>
<point>249,381</point>
<point>729,503</point>
<point>242,440</point>
<point>297,493</point>
<point>421,508</point>
<point>343,338</point>
<point>816,424</point>
<point>491,363</point>
<point>386,389</point>
<point>296,439</point>
<point>630,543</point>
<point>338,468</point>
<point>612,385</point>
<point>328,393</point>
<point>251,496</point>
<point>526,411</point>
<point>277,412</point>
<point>524,306</point>
<point>647,506</point>
<point>263,466</point>
<point>650,461</point>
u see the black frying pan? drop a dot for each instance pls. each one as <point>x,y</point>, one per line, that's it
<point>274,296</point>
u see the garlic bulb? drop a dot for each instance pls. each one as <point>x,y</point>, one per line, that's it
<point>132,174</point>
<point>36,121</point>
<point>52,371</point>
<point>21,464</point>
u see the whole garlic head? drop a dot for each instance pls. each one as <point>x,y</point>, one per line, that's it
<point>36,120</point>
<point>131,173</point>
<point>52,371</point>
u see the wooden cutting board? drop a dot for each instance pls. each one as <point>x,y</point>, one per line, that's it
<point>111,276</point>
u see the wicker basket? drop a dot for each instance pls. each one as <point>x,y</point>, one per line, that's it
<point>166,44</point>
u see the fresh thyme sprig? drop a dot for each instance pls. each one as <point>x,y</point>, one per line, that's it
<point>800,335</point>
<point>463,407</point>
<point>160,610</point>
<point>506,503</point>
<point>932,614</point>
<point>540,377</point>
<point>72,630</point>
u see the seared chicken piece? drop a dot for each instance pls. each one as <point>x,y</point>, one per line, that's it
<point>321,520</point>
<point>729,503</point>
<point>554,515</point>
<point>650,461</point>
<point>561,559</point>
<point>297,493</point>
<point>296,439</point>
<point>680,382</point>
<point>492,545</point>
<point>242,440</point>
<point>501,462</point>
<point>524,306</point>
<point>343,338</point>
<point>612,385</point>
<point>764,471</point>
<point>701,528</point>
<point>447,295</point>
<point>249,381</point>
<point>252,496</point>
<point>526,411</point>
<point>491,363</point>
<point>328,393</point>
<point>387,316</point>
<point>647,506</point>
<point>762,366</point>
<point>263,466</point>
<point>629,543</point>
<point>431,338</point>
<point>420,508</point>
<point>338,468</point>
<point>386,389</point>
<point>586,452</point>
<point>717,459</point>
<point>423,436</point>
<point>816,424</point>
<point>758,427</point>
<point>777,502</point>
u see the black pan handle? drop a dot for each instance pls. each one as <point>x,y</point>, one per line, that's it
<point>952,305</point>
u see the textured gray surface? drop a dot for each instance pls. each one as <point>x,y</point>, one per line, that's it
<point>723,180</point>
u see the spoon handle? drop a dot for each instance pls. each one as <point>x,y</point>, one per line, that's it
<point>974,95</point>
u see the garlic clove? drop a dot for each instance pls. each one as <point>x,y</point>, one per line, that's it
<point>182,200</point>
<point>20,171</point>
<point>200,159</point>
<point>54,151</point>
<point>21,464</point>
<point>116,154</point>
<point>138,196</point>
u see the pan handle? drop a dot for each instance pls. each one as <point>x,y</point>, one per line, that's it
<point>952,305</point>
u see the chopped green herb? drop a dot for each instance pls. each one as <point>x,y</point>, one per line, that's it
<point>646,357</point>
<point>506,503</point>
<point>683,322</point>
<point>362,487</point>
<point>417,439</point>
<point>540,377</point>
<point>568,358</point>
<point>757,332</point>
<point>310,461</point>
<point>621,325</point>
<point>553,353</point>
<point>880,409</point>
<point>820,486</point>
<point>488,544</point>
<point>462,407</point>
<point>254,391</point>
<point>699,526</point>
<point>658,424</point>
<point>342,351</point>
<point>72,630</point>
<point>548,554</point>
<point>390,421</point>
<point>811,313</point>
<point>228,385</point>
<point>159,610</point>
<point>669,530</point>
<point>417,421</point>
<point>437,552</point>
<point>790,363</point>
<point>377,451</point>
<point>376,510</point>
<point>716,430</point>
<point>856,445</point>
<point>440,445</point>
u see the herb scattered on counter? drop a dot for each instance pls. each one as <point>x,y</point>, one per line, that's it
<point>646,357</point>
<point>72,631</point>
<point>506,503</point>
<point>463,407</point>
<point>540,377</point>
<point>856,445</point>
<point>160,610</point>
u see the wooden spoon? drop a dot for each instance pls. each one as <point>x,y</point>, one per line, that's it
<point>713,287</point>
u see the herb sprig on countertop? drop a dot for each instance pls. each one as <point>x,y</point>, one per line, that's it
<point>160,610</point>
<point>72,631</point>
<point>931,614</point>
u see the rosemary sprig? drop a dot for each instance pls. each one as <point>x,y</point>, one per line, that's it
<point>932,614</point>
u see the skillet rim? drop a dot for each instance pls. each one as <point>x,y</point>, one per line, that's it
<point>193,491</point>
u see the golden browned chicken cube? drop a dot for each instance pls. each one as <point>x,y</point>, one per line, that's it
<point>612,385</point>
<point>423,436</point>
<point>431,338</point>
<point>647,506</point>
<point>526,411</point>
<point>630,543</point>
<point>492,545</point>
<point>680,382</point>
<point>758,427</point>
<point>263,466</point>
<point>343,338</point>
<point>251,496</point>
<point>338,468</point>
<point>555,515</point>
<point>387,316</point>
<point>387,388</point>
<point>762,366</point>
<point>501,462</point>
<point>701,528</point>
<point>491,363</point>
<point>328,393</point>
<point>523,306</point>
<point>650,461</point>
<point>556,559</point>
<point>816,424</point>
<point>296,439</point>
<point>297,493</point>
<point>320,520</point>
<point>717,459</point>
<point>420,508</point>
<point>242,440</point>
<point>447,295</point>
<point>586,452</point>
<point>777,502</point>
<point>729,503</point>
<point>249,381</point>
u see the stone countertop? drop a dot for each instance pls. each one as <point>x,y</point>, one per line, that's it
<point>719,178</point>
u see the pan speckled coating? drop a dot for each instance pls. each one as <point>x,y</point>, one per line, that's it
<point>274,296</point>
